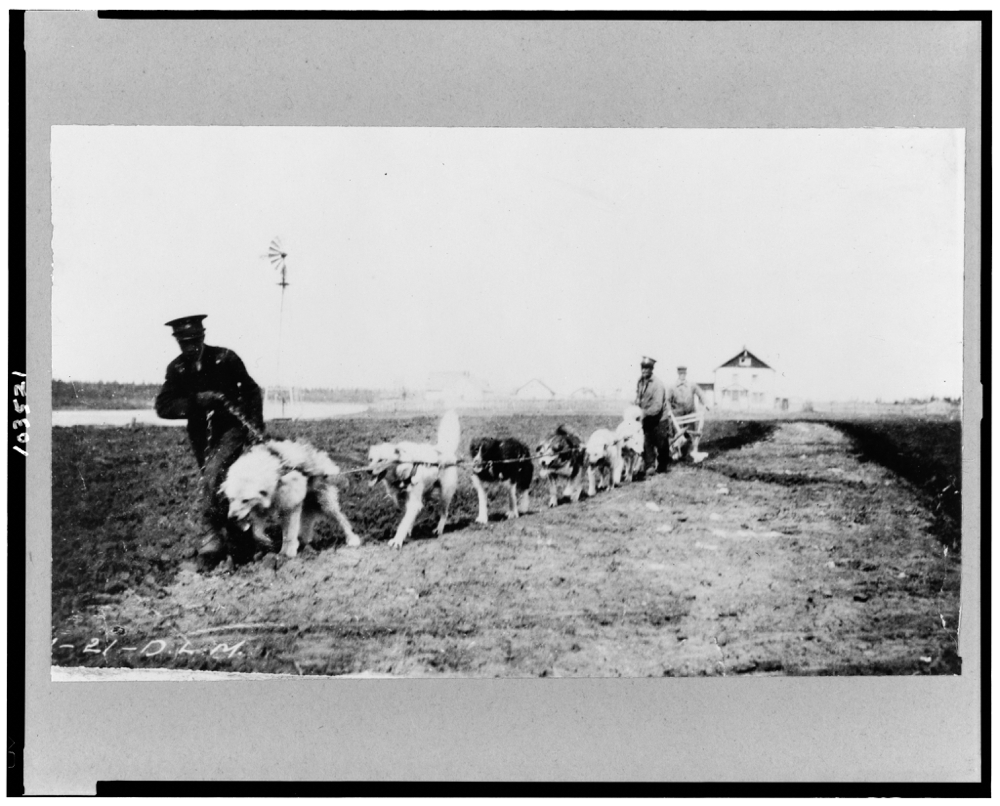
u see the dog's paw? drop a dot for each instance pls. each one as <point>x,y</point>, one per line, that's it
<point>552,502</point>
<point>353,541</point>
<point>482,520</point>
<point>396,543</point>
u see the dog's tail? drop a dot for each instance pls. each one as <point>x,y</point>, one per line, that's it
<point>449,433</point>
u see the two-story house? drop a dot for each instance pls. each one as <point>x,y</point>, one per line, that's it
<point>745,382</point>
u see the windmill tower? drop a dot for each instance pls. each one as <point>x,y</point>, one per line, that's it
<point>277,254</point>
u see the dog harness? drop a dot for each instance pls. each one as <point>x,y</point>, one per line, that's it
<point>282,461</point>
<point>404,479</point>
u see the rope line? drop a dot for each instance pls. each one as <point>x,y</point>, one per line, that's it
<point>461,462</point>
<point>258,437</point>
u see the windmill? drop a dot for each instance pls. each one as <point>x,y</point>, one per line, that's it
<point>277,254</point>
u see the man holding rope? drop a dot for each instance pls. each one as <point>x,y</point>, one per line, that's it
<point>224,408</point>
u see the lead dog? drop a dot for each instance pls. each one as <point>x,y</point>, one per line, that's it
<point>604,455</point>
<point>288,481</point>
<point>562,456</point>
<point>501,460</point>
<point>632,441</point>
<point>414,469</point>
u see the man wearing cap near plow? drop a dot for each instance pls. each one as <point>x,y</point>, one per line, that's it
<point>651,397</point>
<point>224,408</point>
<point>681,399</point>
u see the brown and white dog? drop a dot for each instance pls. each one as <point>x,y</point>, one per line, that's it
<point>501,460</point>
<point>288,481</point>
<point>604,456</point>
<point>414,469</point>
<point>562,456</point>
<point>631,440</point>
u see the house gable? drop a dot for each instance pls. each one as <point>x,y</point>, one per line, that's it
<point>745,359</point>
<point>534,387</point>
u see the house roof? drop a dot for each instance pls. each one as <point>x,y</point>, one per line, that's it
<point>535,382</point>
<point>754,361</point>
<point>584,391</point>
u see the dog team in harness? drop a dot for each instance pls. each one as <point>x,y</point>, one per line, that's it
<point>248,480</point>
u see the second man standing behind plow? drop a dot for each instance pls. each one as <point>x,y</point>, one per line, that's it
<point>681,400</point>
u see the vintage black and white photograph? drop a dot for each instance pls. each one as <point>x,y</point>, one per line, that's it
<point>506,402</point>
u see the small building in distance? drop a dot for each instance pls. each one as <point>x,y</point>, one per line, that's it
<point>744,382</point>
<point>584,393</point>
<point>455,386</point>
<point>534,390</point>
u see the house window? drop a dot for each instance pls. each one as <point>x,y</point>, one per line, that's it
<point>753,378</point>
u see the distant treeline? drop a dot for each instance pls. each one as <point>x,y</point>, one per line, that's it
<point>103,395</point>
<point>338,395</point>
<point>114,395</point>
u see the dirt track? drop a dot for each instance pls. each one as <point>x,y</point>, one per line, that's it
<point>788,556</point>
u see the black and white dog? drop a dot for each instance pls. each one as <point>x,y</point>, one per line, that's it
<point>562,455</point>
<point>501,460</point>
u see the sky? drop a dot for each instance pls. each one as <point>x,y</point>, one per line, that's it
<point>834,255</point>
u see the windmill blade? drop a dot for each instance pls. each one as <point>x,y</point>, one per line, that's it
<point>277,255</point>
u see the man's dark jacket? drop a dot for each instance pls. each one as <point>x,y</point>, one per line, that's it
<point>221,371</point>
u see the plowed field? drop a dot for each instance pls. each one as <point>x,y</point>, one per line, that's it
<point>783,553</point>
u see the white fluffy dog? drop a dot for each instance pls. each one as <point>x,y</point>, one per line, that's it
<point>415,469</point>
<point>604,455</point>
<point>290,481</point>
<point>631,440</point>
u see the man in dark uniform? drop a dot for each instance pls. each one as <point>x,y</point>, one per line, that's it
<point>224,408</point>
<point>651,397</point>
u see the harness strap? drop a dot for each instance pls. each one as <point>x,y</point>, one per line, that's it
<point>285,466</point>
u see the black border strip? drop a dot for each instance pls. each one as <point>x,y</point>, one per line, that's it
<point>522,789</point>
<point>16,362</point>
